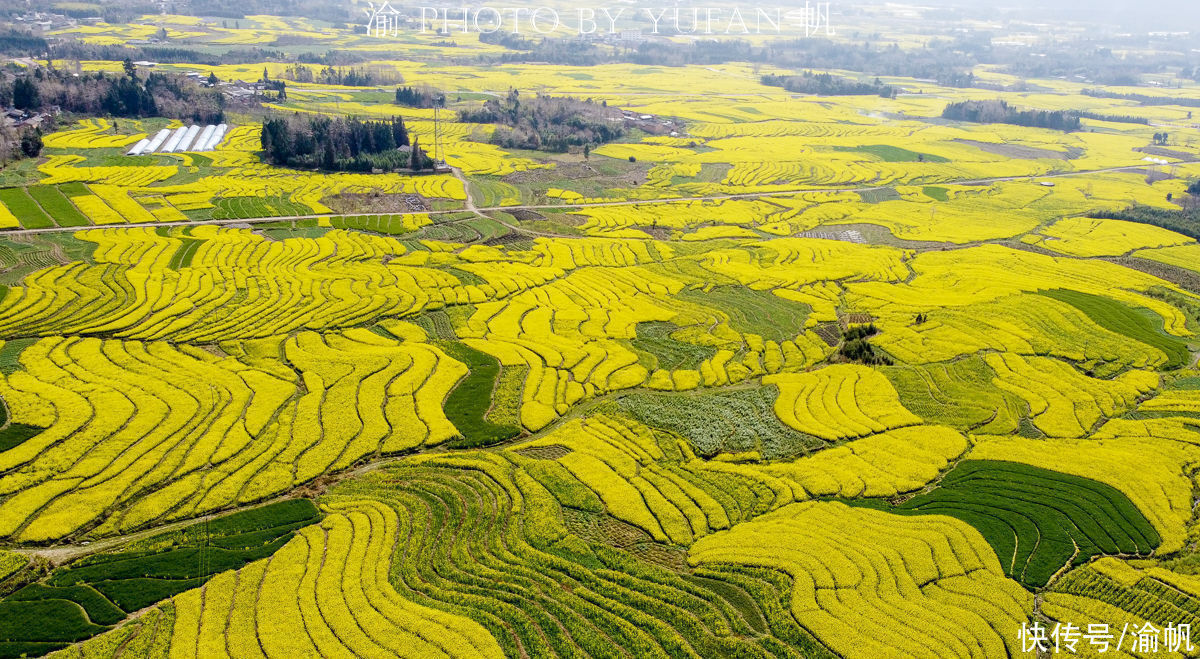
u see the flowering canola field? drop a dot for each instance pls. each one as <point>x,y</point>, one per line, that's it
<point>771,387</point>
<point>166,375</point>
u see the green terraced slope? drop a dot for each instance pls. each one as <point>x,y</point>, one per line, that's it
<point>1120,318</point>
<point>1035,518</point>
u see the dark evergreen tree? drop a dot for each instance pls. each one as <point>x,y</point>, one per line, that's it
<point>399,132</point>
<point>98,93</point>
<point>419,98</point>
<point>998,111</point>
<point>25,94</point>
<point>31,143</point>
<point>825,84</point>
<point>128,98</point>
<point>415,159</point>
<point>349,144</point>
<point>328,159</point>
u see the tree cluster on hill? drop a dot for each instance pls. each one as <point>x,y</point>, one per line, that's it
<point>341,144</point>
<point>999,112</point>
<point>508,40</point>
<point>76,51</point>
<point>1116,118</point>
<point>71,50</point>
<point>277,86</point>
<point>14,42</point>
<point>1072,59</point>
<point>1144,99</point>
<point>854,332</point>
<point>125,11</point>
<point>124,95</point>
<point>547,123</point>
<point>825,84</point>
<point>322,10</point>
<point>861,350</point>
<point>1185,221</point>
<point>110,12</point>
<point>419,97</point>
<point>331,57</point>
<point>857,348</point>
<point>942,61</point>
<point>337,75</point>
<point>569,52</point>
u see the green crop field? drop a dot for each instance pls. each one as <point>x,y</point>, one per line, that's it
<point>654,339</point>
<point>1038,521</point>
<point>57,206</point>
<point>25,208</point>
<point>95,593</point>
<point>958,393</point>
<point>1120,318</point>
<point>467,406</point>
<point>892,153</point>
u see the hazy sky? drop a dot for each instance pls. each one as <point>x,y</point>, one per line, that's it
<point>1173,15</point>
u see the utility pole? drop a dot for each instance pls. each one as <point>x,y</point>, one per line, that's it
<point>439,158</point>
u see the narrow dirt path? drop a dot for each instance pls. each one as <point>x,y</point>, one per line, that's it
<point>59,554</point>
<point>470,206</point>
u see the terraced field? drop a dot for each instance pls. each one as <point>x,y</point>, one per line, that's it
<point>950,574</point>
<point>1112,315</point>
<point>767,375</point>
<point>610,422</point>
<point>94,594</point>
<point>1038,521</point>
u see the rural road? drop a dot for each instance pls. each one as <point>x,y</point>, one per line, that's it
<point>469,205</point>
